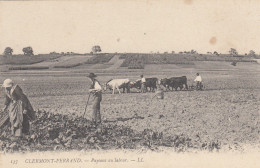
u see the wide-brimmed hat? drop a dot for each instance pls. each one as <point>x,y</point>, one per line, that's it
<point>8,83</point>
<point>92,75</point>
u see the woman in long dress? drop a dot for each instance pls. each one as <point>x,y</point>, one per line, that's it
<point>19,108</point>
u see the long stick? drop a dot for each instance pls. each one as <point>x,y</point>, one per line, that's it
<point>153,97</point>
<point>86,105</point>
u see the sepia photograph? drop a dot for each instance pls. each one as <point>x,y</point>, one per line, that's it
<point>134,83</point>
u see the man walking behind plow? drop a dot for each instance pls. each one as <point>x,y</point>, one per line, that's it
<point>19,108</point>
<point>198,81</point>
<point>96,91</point>
<point>143,84</point>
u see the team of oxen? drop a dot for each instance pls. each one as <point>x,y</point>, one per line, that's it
<point>151,84</point>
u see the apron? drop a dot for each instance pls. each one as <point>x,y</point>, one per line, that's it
<point>16,117</point>
<point>18,103</point>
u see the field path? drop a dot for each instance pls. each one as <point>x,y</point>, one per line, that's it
<point>115,63</point>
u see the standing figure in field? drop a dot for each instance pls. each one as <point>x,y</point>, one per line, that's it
<point>159,92</point>
<point>143,84</point>
<point>96,91</point>
<point>198,81</point>
<point>19,109</point>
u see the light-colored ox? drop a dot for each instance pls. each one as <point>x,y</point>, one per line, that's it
<point>117,84</point>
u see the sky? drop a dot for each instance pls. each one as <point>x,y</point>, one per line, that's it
<point>131,26</point>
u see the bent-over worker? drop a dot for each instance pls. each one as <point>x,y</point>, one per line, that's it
<point>19,108</point>
<point>159,92</point>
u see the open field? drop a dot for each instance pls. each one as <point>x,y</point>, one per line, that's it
<point>179,59</point>
<point>48,61</point>
<point>26,60</point>
<point>71,62</point>
<point>225,113</point>
<point>112,61</point>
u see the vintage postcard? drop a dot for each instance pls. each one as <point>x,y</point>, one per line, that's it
<point>134,83</point>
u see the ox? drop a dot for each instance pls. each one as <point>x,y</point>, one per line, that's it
<point>118,84</point>
<point>174,82</point>
<point>150,83</point>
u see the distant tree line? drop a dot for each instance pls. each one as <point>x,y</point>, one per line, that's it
<point>96,49</point>
<point>8,51</point>
<point>26,51</point>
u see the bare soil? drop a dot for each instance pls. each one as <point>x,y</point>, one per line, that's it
<point>224,116</point>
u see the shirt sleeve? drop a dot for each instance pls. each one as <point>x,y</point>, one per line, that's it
<point>97,86</point>
<point>198,79</point>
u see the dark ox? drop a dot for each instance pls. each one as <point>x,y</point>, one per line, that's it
<point>174,82</point>
<point>149,83</point>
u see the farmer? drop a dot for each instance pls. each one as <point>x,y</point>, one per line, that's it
<point>198,80</point>
<point>19,109</point>
<point>95,90</point>
<point>143,81</point>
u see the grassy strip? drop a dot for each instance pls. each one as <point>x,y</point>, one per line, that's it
<point>68,66</point>
<point>100,59</point>
<point>123,56</point>
<point>28,67</point>
<point>26,60</point>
